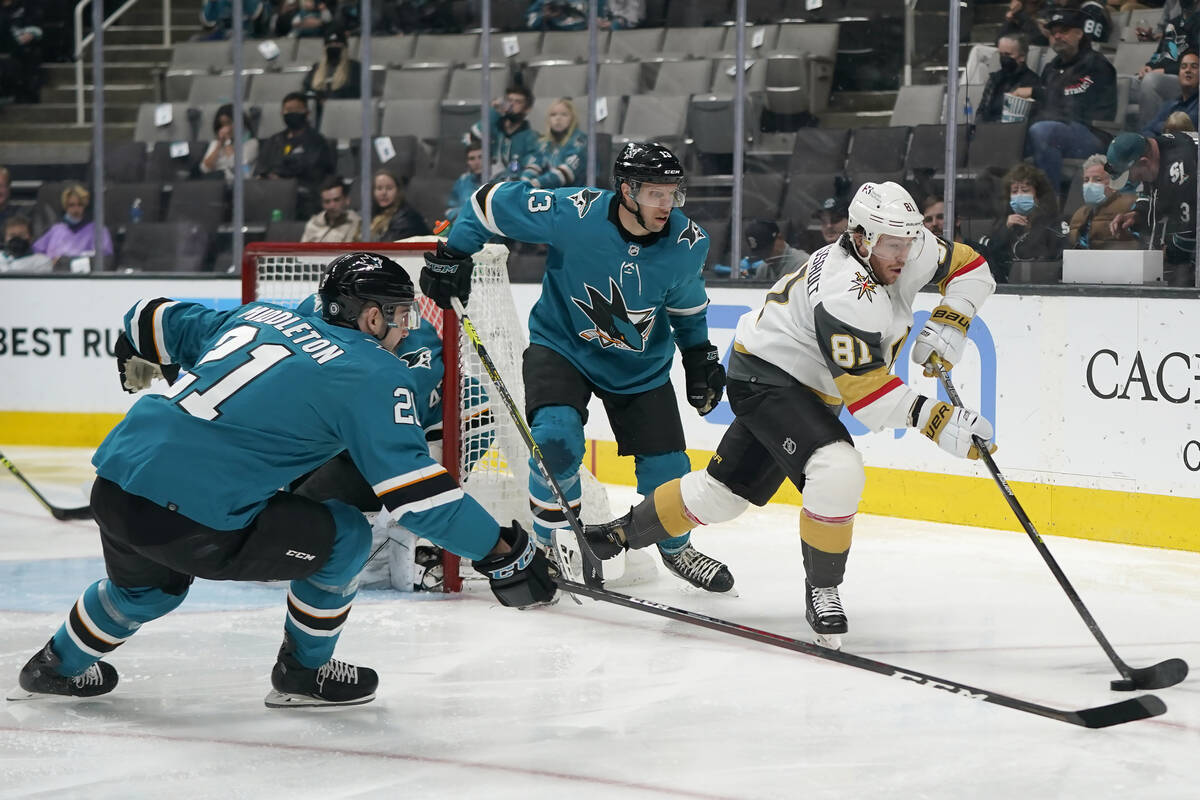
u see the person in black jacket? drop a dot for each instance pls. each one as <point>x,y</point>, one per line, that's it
<point>335,76</point>
<point>1029,228</point>
<point>297,152</point>
<point>1014,76</point>
<point>1078,86</point>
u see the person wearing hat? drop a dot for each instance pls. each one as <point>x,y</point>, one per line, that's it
<point>336,76</point>
<point>833,215</point>
<point>1078,86</point>
<point>1165,166</point>
<point>768,253</point>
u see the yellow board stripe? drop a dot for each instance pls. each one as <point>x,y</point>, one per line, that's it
<point>1149,520</point>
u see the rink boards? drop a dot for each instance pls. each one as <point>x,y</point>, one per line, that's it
<point>1093,398</point>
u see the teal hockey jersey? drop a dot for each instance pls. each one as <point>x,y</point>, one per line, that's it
<point>612,304</point>
<point>268,395</point>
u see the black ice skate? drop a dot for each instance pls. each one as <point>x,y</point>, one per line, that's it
<point>823,609</point>
<point>698,569</point>
<point>40,676</point>
<point>334,683</point>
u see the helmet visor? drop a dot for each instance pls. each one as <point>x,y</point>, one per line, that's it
<point>897,248</point>
<point>404,315</point>
<point>659,195</point>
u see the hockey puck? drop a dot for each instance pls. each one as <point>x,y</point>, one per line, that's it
<point>1122,685</point>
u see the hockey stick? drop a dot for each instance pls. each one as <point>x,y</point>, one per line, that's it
<point>1129,710</point>
<point>1161,675</point>
<point>83,512</point>
<point>591,564</point>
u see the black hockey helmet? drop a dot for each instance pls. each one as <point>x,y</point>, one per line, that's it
<point>354,279</point>
<point>647,163</point>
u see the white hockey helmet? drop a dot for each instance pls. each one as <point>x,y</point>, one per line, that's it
<point>879,208</point>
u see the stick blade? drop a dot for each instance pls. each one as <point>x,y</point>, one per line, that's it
<point>1130,710</point>
<point>1160,676</point>
<point>64,514</point>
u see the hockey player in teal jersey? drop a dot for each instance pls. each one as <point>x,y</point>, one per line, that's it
<point>187,484</point>
<point>622,290</point>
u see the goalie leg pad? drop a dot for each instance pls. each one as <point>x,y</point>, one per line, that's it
<point>709,500</point>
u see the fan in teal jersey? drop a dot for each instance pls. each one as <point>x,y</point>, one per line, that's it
<point>187,483</point>
<point>622,291</point>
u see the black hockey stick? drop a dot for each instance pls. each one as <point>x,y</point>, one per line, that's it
<point>591,564</point>
<point>1129,710</point>
<point>83,512</point>
<point>1159,676</point>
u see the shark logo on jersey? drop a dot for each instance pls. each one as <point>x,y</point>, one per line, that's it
<point>616,325</point>
<point>583,200</point>
<point>421,357</point>
<point>864,286</point>
<point>691,234</point>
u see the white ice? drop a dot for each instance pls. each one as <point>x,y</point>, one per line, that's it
<point>597,701</point>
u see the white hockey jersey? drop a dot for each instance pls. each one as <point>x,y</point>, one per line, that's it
<point>835,330</point>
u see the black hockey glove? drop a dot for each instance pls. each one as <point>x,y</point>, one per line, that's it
<point>520,577</point>
<point>704,376</point>
<point>447,274</point>
<point>136,373</point>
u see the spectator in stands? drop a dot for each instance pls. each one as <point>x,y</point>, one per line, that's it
<point>302,18</point>
<point>833,216</point>
<point>513,141</point>
<point>417,16</point>
<point>1181,35</point>
<point>219,156</point>
<point>6,209</point>
<point>1090,226</point>
<point>1022,18</point>
<point>619,15</point>
<point>394,218</point>
<point>217,18</point>
<point>468,182</point>
<point>21,50</point>
<point>336,222</point>
<point>1029,228</point>
<point>1013,77</point>
<point>1078,86</point>
<point>768,253</point>
<point>933,210</point>
<point>557,15</point>
<point>1179,122</point>
<point>1164,213</point>
<point>1186,103</point>
<point>74,235</point>
<point>336,75</point>
<point>561,152</point>
<point>297,152</point>
<point>1096,21</point>
<point>17,254</point>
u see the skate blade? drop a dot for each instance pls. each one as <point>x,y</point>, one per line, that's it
<point>17,693</point>
<point>277,699</point>
<point>830,641</point>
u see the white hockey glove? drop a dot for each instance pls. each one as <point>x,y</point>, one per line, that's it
<point>952,428</point>
<point>944,335</point>
<point>136,372</point>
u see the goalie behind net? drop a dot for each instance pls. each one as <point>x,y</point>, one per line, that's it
<point>497,476</point>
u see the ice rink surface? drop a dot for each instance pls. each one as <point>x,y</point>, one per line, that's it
<point>596,701</point>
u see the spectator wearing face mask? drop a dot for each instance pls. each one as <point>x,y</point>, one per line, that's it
<point>335,76</point>
<point>1029,228</point>
<point>513,141</point>
<point>1013,77</point>
<point>1090,224</point>
<point>17,254</point>
<point>74,235</point>
<point>297,152</point>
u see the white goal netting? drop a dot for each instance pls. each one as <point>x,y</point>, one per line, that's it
<point>483,446</point>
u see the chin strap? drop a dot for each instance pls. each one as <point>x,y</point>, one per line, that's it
<point>853,248</point>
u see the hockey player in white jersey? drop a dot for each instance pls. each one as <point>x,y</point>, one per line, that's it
<point>827,336</point>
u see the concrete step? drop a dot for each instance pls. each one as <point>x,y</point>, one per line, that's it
<point>862,101</point>
<point>125,71</point>
<point>134,52</point>
<point>15,133</point>
<point>860,119</point>
<point>121,35</point>
<point>52,114</point>
<point>114,93</point>
<point>151,14</point>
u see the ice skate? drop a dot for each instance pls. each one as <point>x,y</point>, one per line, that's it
<point>698,569</point>
<point>823,609</point>
<point>334,683</point>
<point>40,676</point>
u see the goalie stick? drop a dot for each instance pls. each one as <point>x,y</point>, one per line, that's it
<point>592,574</point>
<point>1160,675</point>
<point>1130,710</point>
<point>83,512</point>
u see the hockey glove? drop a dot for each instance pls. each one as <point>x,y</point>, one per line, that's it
<point>136,372</point>
<point>520,577</point>
<point>944,335</point>
<point>704,377</point>
<point>447,274</point>
<point>952,428</point>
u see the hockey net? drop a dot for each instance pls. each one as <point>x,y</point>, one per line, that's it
<point>285,274</point>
